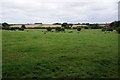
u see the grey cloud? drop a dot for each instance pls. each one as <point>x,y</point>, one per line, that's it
<point>30,11</point>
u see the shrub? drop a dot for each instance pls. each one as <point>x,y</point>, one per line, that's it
<point>49,29</point>
<point>86,27</point>
<point>39,28</point>
<point>21,29</point>
<point>62,29</point>
<point>70,31</point>
<point>94,26</point>
<point>74,27</point>
<point>23,26</point>
<point>12,28</point>
<point>58,29</point>
<point>66,25</point>
<point>109,29</point>
<point>103,29</point>
<point>78,29</point>
<point>118,30</point>
<point>5,26</point>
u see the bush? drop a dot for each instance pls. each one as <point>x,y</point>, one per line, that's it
<point>58,29</point>
<point>118,30</point>
<point>62,29</point>
<point>23,26</point>
<point>49,29</point>
<point>12,28</point>
<point>39,28</point>
<point>78,29</point>
<point>94,26</point>
<point>86,27</point>
<point>21,29</point>
<point>103,29</point>
<point>109,29</point>
<point>70,31</point>
<point>5,26</point>
<point>74,27</point>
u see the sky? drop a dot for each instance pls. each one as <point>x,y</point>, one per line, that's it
<point>53,11</point>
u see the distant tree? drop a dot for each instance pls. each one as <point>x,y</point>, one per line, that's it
<point>109,29</point>
<point>118,30</point>
<point>12,28</point>
<point>56,23</point>
<point>37,23</point>
<point>70,25</point>
<point>103,29</point>
<point>58,29</point>
<point>49,29</point>
<point>87,23</point>
<point>62,29</point>
<point>21,29</point>
<point>78,28</point>
<point>94,26</point>
<point>6,26</point>
<point>78,24</point>
<point>86,27</point>
<point>65,25</point>
<point>23,26</point>
<point>115,24</point>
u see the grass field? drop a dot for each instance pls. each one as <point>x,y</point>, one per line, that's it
<point>84,54</point>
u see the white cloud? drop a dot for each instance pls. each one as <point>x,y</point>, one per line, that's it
<point>49,11</point>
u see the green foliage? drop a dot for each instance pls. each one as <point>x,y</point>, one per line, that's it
<point>57,29</point>
<point>23,26</point>
<point>86,27</point>
<point>70,25</point>
<point>49,29</point>
<point>103,29</point>
<point>62,29</point>
<point>109,29</point>
<point>12,28</point>
<point>6,26</point>
<point>118,30</point>
<point>94,26</point>
<point>21,29</point>
<point>56,23</point>
<point>115,24</point>
<point>78,28</point>
<point>67,26</point>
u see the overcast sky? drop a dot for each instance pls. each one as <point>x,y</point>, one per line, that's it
<point>51,11</point>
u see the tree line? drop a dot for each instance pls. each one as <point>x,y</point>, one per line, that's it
<point>112,26</point>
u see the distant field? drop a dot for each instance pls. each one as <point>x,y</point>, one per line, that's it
<point>46,25</point>
<point>36,25</point>
<point>84,54</point>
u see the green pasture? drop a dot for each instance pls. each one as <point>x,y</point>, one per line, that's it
<point>71,54</point>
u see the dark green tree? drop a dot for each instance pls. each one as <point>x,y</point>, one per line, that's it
<point>57,29</point>
<point>94,26</point>
<point>70,25</point>
<point>78,28</point>
<point>23,26</point>
<point>65,25</point>
<point>5,26</point>
<point>49,29</point>
<point>115,24</point>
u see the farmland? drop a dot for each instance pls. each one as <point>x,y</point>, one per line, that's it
<point>85,54</point>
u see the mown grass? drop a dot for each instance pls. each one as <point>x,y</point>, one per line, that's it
<point>84,54</point>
